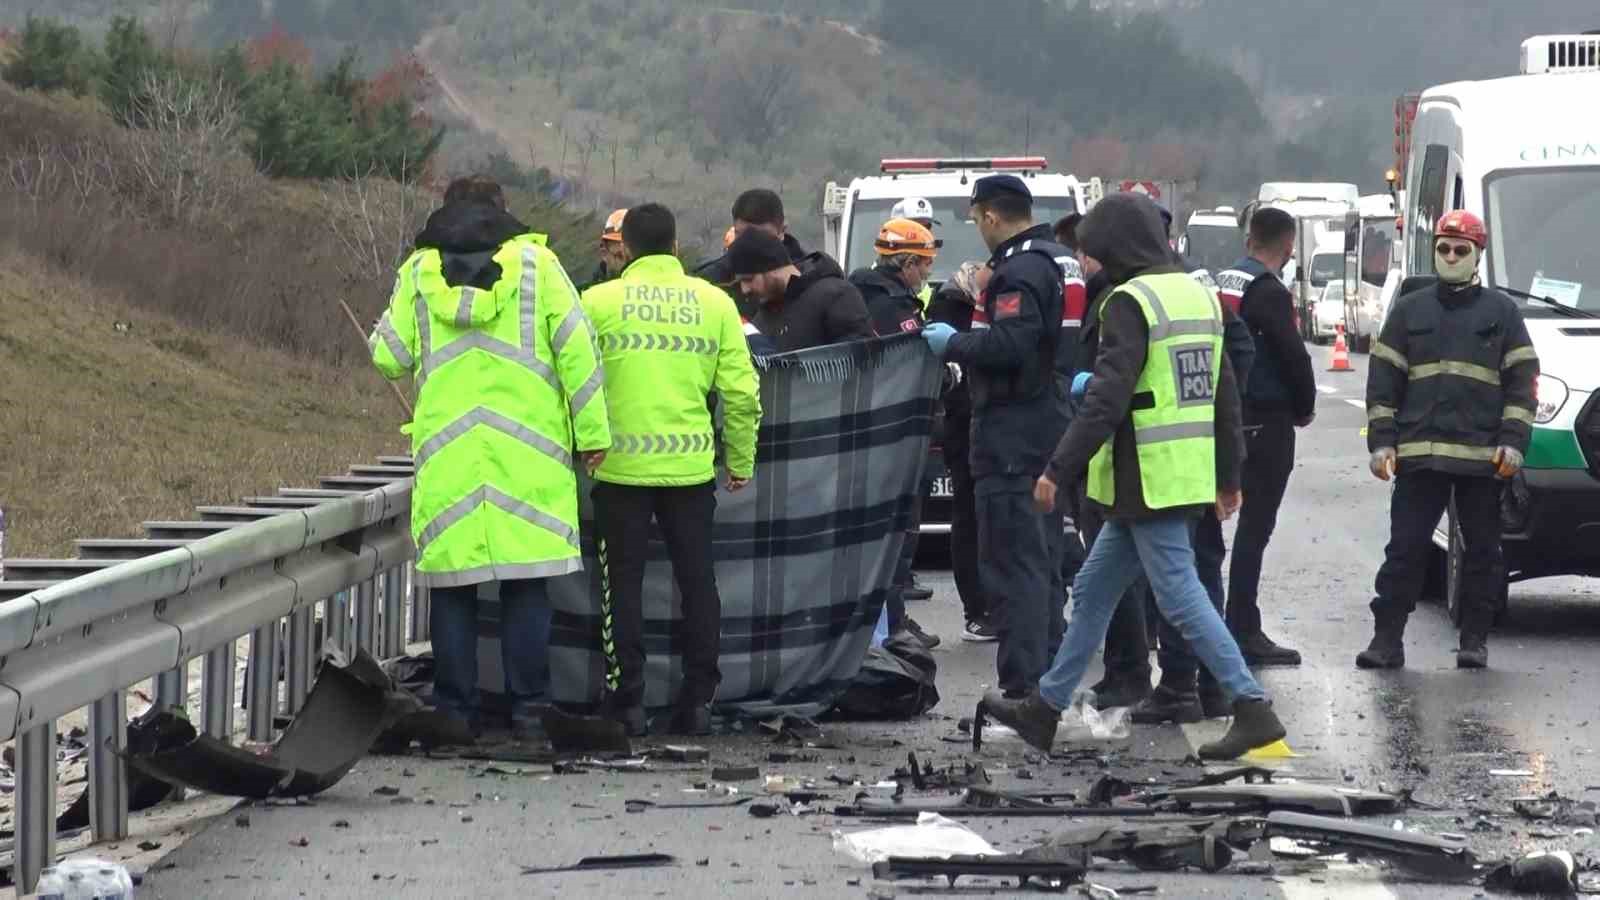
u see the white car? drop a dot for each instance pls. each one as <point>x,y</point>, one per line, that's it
<point>1329,312</point>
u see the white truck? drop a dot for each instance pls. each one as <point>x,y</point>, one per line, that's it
<point>1371,253</point>
<point>1321,210</point>
<point>1519,152</point>
<point>852,214</point>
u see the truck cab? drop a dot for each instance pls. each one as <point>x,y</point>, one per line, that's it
<point>1320,210</point>
<point>1512,151</point>
<point>1212,239</point>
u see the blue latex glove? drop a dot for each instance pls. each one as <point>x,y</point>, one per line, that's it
<point>938,335</point>
<point>1080,384</point>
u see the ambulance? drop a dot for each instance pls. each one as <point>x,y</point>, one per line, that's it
<point>1520,152</point>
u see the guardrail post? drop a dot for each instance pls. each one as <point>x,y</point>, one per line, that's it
<point>300,658</point>
<point>263,680</point>
<point>35,822</point>
<point>394,613</point>
<point>421,608</point>
<point>216,703</point>
<point>336,621</point>
<point>108,775</point>
<point>172,687</point>
<point>366,617</point>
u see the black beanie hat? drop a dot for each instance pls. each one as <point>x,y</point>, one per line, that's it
<point>755,253</point>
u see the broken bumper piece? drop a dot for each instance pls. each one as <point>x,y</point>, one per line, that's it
<point>1049,874</point>
<point>1425,854</point>
<point>344,714</point>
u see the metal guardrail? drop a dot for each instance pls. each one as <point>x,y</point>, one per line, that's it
<point>81,633</point>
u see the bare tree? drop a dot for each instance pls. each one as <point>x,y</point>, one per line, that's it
<point>187,160</point>
<point>372,220</point>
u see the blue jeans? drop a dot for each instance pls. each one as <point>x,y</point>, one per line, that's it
<point>524,646</point>
<point>1161,548</point>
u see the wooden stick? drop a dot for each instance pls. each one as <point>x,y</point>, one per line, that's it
<point>398,394</point>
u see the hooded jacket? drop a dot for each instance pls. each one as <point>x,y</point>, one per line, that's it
<point>819,307</point>
<point>509,389</point>
<point>1124,233</point>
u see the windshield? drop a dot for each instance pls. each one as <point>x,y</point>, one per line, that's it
<point>962,243</point>
<point>1215,247</point>
<point>1326,267</point>
<point>1541,236</point>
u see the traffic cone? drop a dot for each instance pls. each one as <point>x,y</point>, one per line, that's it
<point>1341,353</point>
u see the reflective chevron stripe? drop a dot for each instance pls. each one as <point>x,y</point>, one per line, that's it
<point>461,509</point>
<point>1458,369</point>
<point>391,339</point>
<point>1377,412</point>
<point>1517,414</point>
<point>1451,451</point>
<point>1178,431</point>
<point>662,443</point>
<point>488,418</point>
<point>672,343</point>
<point>1519,356</point>
<point>433,359</point>
<point>1165,327</point>
<point>1390,355</point>
<point>464,308</point>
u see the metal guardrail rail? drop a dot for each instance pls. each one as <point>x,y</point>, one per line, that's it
<point>81,632</point>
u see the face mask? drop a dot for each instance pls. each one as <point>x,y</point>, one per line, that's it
<point>1456,269</point>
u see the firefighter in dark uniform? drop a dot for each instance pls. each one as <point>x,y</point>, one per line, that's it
<point>1010,358</point>
<point>1450,408</point>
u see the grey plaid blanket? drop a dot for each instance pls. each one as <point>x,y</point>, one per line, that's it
<point>804,556</point>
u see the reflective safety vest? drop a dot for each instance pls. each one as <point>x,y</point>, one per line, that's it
<point>925,296</point>
<point>508,381</point>
<point>1174,408</point>
<point>668,340</point>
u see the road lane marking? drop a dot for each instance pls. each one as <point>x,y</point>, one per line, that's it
<point>1327,389</point>
<point>1358,404</point>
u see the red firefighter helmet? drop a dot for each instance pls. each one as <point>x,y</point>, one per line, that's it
<point>1463,225</point>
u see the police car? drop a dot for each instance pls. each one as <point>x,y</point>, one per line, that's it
<point>1511,151</point>
<point>853,213</point>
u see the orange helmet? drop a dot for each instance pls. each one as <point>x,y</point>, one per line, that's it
<point>728,236</point>
<point>1464,225</point>
<point>613,229</point>
<point>905,236</point>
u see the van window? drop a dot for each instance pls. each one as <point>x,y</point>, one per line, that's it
<point>1429,206</point>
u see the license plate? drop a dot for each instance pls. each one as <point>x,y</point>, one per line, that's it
<point>942,487</point>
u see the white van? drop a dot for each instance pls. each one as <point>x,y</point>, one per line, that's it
<point>1371,253</point>
<point>1522,153</point>
<point>1321,211</point>
<point>1212,239</point>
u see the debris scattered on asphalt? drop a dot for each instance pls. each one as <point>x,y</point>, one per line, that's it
<point>1511,773</point>
<point>681,753</point>
<point>387,791</point>
<point>241,821</point>
<point>1540,872</point>
<point>601,863</point>
<point>147,846</point>
<point>341,823</point>
<point>300,842</point>
<point>1556,809</point>
<point>735,773</point>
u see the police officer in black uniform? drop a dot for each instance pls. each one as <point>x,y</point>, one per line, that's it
<point>1019,413</point>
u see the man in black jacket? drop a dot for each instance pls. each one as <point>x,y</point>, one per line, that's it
<point>1019,411</point>
<point>1280,396</point>
<point>1450,406</point>
<point>1159,380</point>
<point>808,304</point>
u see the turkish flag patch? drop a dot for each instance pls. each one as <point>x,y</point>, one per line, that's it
<point>1008,305</point>
<point>909,325</point>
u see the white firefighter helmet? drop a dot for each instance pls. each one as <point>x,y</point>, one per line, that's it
<point>917,209</point>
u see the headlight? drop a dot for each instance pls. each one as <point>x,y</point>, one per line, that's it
<point>1550,394</point>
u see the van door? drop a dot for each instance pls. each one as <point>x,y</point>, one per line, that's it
<point>1427,205</point>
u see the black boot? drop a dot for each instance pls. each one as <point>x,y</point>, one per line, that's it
<point>1113,693</point>
<point>1254,725</point>
<point>1167,705</point>
<point>631,716</point>
<point>1260,650</point>
<point>1474,652</point>
<point>1034,720</point>
<point>1388,647</point>
<point>691,719</point>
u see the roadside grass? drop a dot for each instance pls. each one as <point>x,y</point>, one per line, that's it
<point>102,429</point>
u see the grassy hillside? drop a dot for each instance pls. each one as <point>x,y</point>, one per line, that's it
<point>101,429</point>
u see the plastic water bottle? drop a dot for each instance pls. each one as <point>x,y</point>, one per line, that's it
<point>86,879</point>
<point>881,632</point>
